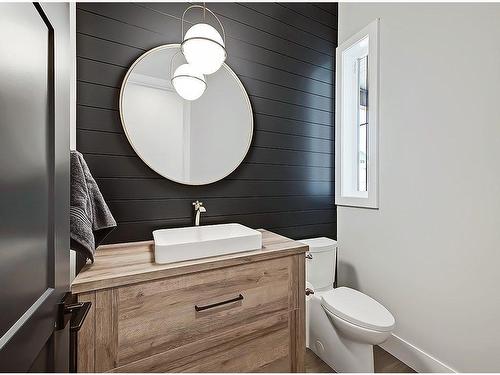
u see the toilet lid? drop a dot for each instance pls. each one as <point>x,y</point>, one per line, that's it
<point>357,308</point>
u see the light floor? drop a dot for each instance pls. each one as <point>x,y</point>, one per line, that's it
<point>384,362</point>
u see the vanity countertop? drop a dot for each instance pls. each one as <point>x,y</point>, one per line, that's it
<point>129,263</point>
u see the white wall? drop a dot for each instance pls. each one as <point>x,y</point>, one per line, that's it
<point>431,253</point>
<point>153,117</point>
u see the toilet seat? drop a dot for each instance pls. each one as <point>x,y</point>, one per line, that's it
<point>358,309</point>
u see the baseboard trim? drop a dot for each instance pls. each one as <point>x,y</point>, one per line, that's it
<point>414,357</point>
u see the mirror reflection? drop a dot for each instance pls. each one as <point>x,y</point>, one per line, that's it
<point>192,142</point>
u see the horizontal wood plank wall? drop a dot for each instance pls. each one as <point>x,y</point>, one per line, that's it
<point>285,56</point>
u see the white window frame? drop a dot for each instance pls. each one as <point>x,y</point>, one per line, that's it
<point>369,199</point>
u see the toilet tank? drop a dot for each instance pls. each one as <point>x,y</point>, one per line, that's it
<point>320,270</point>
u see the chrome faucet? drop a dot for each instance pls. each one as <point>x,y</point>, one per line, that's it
<point>198,209</point>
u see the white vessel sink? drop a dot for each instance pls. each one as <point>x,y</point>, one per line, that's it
<point>178,244</point>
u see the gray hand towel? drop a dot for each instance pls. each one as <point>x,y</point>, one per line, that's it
<point>90,218</point>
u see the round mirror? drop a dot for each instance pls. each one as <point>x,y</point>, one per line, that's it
<point>191,142</point>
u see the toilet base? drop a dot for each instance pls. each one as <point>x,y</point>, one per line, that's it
<point>340,353</point>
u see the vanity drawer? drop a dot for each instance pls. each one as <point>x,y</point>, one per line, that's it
<point>262,346</point>
<point>233,314</point>
<point>159,316</point>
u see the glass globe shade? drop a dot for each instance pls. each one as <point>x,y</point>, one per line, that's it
<point>204,48</point>
<point>188,82</point>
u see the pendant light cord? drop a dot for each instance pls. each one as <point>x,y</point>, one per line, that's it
<point>205,9</point>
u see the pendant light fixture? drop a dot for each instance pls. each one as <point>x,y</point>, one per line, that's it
<point>202,45</point>
<point>189,83</point>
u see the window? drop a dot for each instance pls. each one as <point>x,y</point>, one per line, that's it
<point>356,164</point>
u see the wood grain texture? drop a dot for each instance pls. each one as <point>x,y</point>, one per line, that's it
<point>387,363</point>
<point>86,336</point>
<point>268,347</point>
<point>124,264</point>
<point>106,330</point>
<point>145,320</point>
<point>384,363</point>
<point>300,315</point>
<point>165,309</point>
<point>314,364</point>
<point>297,316</point>
<point>283,54</point>
<point>182,357</point>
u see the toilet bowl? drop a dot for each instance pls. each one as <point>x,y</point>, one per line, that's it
<point>342,324</point>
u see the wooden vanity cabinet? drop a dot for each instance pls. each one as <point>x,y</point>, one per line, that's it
<point>234,313</point>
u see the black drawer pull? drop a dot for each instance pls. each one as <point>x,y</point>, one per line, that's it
<point>206,307</point>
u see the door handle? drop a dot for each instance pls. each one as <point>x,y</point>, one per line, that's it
<point>206,307</point>
<point>78,313</point>
<point>74,312</point>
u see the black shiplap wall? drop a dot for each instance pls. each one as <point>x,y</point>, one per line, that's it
<point>283,54</point>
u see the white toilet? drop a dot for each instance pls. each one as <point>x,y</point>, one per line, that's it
<point>342,324</point>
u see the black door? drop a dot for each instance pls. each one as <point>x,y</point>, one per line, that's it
<point>34,185</point>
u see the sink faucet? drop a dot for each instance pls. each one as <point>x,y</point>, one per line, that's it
<point>198,209</point>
